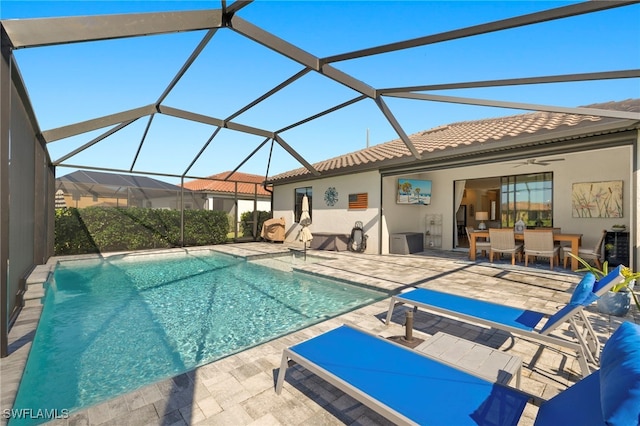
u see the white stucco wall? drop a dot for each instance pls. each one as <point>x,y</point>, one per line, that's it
<point>228,205</point>
<point>247,206</point>
<point>413,218</point>
<point>243,205</point>
<point>593,166</point>
<point>601,165</point>
<point>337,218</point>
<point>190,200</point>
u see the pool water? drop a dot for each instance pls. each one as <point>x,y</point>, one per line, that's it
<point>109,327</point>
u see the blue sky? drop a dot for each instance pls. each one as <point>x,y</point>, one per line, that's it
<point>77,82</point>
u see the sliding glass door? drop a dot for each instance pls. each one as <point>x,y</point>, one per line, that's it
<point>527,197</point>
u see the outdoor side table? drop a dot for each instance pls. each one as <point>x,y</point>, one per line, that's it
<point>491,364</point>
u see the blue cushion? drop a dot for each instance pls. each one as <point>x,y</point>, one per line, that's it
<point>583,293</point>
<point>620,376</point>
<point>579,404</point>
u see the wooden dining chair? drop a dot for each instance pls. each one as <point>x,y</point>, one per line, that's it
<point>594,254</point>
<point>539,243</point>
<point>482,246</point>
<point>504,241</point>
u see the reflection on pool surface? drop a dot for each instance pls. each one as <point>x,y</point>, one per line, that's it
<point>111,326</point>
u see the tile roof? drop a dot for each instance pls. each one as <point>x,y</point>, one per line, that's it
<point>216,183</point>
<point>115,180</point>
<point>448,138</point>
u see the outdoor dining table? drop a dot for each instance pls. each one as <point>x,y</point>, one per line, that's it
<point>574,239</point>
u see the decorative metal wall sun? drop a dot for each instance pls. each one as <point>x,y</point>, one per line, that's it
<point>331,196</point>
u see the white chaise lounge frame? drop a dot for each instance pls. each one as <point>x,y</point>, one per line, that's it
<point>375,371</point>
<point>587,346</point>
<point>290,357</point>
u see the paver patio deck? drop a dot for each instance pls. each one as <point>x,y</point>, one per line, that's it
<point>239,389</point>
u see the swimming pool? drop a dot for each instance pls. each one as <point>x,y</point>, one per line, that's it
<point>111,326</point>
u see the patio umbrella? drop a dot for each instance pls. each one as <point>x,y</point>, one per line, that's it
<point>305,221</point>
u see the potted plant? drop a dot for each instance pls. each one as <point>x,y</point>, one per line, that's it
<point>616,301</point>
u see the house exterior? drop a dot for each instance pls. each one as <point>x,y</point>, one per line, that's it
<point>548,168</point>
<point>232,192</point>
<point>84,188</point>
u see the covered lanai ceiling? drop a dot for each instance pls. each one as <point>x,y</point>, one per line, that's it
<point>212,125</point>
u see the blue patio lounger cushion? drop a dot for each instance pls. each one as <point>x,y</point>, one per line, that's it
<point>576,405</point>
<point>398,379</point>
<point>608,396</point>
<point>583,292</point>
<point>620,376</point>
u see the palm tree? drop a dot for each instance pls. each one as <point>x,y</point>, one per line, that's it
<point>406,188</point>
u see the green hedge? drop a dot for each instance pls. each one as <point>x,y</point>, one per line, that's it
<point>104,229</point>
<point>247,227</point>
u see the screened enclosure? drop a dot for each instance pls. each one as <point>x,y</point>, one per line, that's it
<point>28,169</point>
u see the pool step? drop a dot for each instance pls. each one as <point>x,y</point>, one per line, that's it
<point>35,285</point>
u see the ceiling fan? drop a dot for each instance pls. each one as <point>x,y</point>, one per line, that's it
<point>534,162</point>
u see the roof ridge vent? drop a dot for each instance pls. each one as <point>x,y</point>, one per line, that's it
<point>437,129</point>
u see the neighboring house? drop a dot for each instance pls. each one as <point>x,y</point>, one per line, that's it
<point>550,169</point>
<point>234,194</point>
<point>88,188</point>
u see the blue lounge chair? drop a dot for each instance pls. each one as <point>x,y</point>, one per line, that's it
<point>523,322</point>
<point>410,388</point>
